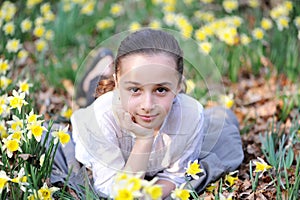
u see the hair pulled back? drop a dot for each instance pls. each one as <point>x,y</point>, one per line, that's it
<point>148,42</point>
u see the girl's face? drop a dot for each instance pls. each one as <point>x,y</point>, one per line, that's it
<point>148,85</point>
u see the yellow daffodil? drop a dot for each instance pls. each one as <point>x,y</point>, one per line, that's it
<point>258,34</point>
<point>9,9</point>
<point>88,8</point>
<point>45,193</point>
<point>180,193</point>
<point>9,28</point>
<point>266,24</point>
<point>66,112</point>
<point>193,169</point>
<point>21,179</point>
<point>124,194</point>
<point>39,31</point>
<point>49,35</point>
<point>36,129</point>
<point>62,135</point>
<point>46,7</point>
<point>4,66</point>
<point>288,5</point>
<point>134,26</point>
<point>116,10</point>
<point>154,191</point>
<point>135,183</point>
<point>39,21</point>
<point>169,7</point>
<point>10,145</point>
<point>297,22</point>
<point>245,40</point>
<point>26,25</point>
<point>279,11</point>
<point>231,178</point>
<point>3,180</point>
<point>253,3</point>
<point>4,82</point>
<point>282,23</point>
<point>105,24</point>
<point>49,16</point>
<point>40,45</point>
<point>16,124</point>
<point>22,54</point>
<point>3,130</point>
<point>155,24</point>
<point>13,45</point>
<point>32,118</point>
<point>205,47</point>
<point>227,100</point>
<point>18,135</point>
<point>31,3</point>
<point>230,5</point>
<point>169,19</point>
<point>17,100</point>
<point>24,86</point>
<point>211,187</point>
<point>261,165</point>
<point>200,35</point>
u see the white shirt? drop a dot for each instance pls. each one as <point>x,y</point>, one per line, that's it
<point>101,145</point>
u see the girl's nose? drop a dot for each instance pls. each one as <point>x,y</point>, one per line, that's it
<point>147,103</point>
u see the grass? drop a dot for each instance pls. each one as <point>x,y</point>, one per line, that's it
<point>76,33</point>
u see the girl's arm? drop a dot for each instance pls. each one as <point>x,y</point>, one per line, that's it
<point>139,156</point>
<point>140,153</point>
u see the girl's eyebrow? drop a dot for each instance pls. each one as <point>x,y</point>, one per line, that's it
<point>136,83</point>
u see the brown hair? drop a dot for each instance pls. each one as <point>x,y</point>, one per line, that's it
<point>145,41</point>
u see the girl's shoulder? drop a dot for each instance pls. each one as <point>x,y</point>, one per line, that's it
<point>188,105</point>
<point>101,106</point>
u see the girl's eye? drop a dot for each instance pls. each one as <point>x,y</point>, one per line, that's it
<point>134,90</point>
<point>162,90</point>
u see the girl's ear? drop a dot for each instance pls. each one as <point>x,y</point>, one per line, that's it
<point>115,79</point>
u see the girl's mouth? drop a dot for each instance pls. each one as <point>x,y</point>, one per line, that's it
<point>147,118</point>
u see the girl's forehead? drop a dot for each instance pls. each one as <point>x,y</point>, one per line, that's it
<point>136,61</point>
<point>147,69</point>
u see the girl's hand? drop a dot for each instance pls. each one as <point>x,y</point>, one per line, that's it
<point>126,122</point>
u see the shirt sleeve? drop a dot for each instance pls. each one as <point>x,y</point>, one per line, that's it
<point>176,171</point>
<point>97,148</point>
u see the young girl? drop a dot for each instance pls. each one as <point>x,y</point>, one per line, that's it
<point>145,124</point>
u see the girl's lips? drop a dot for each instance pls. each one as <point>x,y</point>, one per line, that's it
<point>147,118</point>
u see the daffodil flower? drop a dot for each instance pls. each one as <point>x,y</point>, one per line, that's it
<point>231,178</point>
<point>24,86</point>
<point>261,165</point>
<point>45,193</point>
<point>66,112</point>
<point>32,118</point>
<point>227,100</point>
<point>61,135</point>
<point>180,193</point>
<point>36,129</point>
<point>17,100</point>
<point>211,187</point>
<point>3,180</point>
<point>21,179</point>
<point>11,145</point>
<point>193,169</point>
<point>127,186</point>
